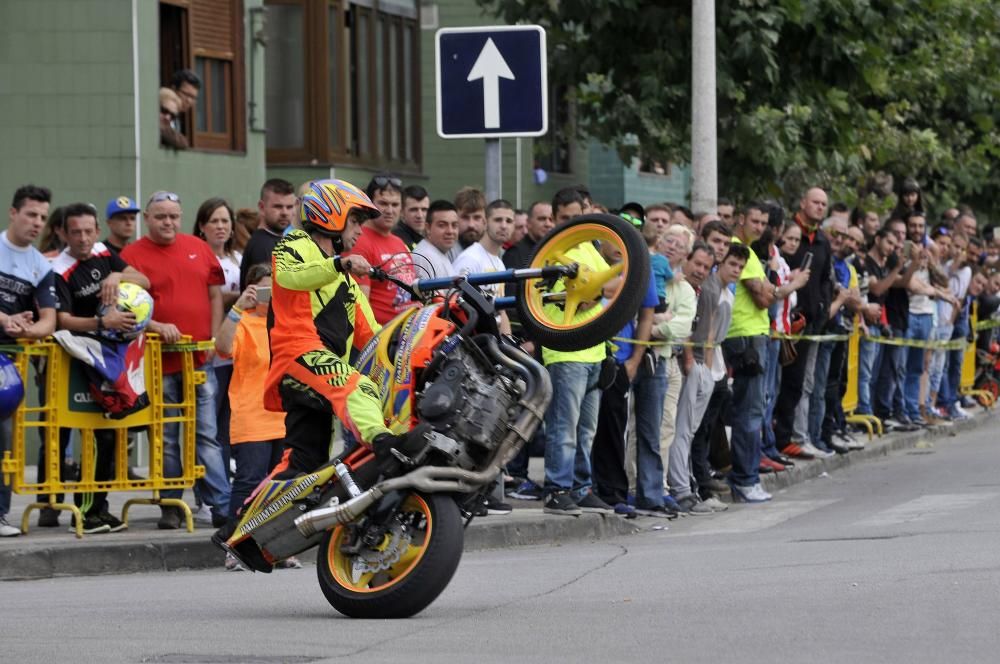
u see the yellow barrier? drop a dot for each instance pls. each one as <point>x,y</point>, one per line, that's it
<point>967,385</point>
<point>850,401</point>
<point>68,404</point>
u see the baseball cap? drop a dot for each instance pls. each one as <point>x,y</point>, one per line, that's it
<point>119,205</point>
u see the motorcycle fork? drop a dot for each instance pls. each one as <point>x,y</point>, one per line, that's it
<point>372,529</point>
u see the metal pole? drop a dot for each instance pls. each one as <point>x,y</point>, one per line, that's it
<point>704,145</point>
<point>492,169</point>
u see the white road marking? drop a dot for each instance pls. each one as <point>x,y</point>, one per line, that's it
<point>749,518</point>
<point>925,507</point>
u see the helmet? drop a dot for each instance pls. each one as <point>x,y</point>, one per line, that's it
<point>327,204</point>
<point>11,387</point>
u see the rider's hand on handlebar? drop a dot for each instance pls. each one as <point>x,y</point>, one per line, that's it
<point>356,265</point>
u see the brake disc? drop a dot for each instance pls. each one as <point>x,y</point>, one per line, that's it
<point>371,561</point>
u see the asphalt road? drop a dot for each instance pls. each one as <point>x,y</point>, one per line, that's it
<point>895,560</point>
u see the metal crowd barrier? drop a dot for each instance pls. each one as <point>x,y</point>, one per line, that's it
<point>67,404</point>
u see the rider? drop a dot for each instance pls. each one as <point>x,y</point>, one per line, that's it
<point>318,313</point>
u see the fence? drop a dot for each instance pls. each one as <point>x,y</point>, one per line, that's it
<point>65,402</point>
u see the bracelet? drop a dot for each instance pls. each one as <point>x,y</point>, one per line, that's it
<point>100,323</point>
<point>237,310</point>
<point>233,316</point>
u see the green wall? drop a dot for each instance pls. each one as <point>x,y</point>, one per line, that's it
<point>193,175</point>
<point>66,104</point>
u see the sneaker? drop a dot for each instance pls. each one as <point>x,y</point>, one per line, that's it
<point>7,530</point>
<point>671,503</point>
<point>690,504</point>
<point>795,450</point>
<point>234,565</point>
<point>957,414</point>
<point>591,503</point>
<point>815,452</point>
<point>526,490</point>
<point>750,494</point>
<point>625,510</point>
<point>495,506</point>
<point>203,514</point>
<point>966,402</point>
<point>715,504</point>
<point>291,562</point>
<point>714,485</point>
<point>660,512</point>
<point>769,465</point>
<point>115,525</point>
<point>92,525</point>
<point>48,518</point>
<point>560,502</point>
<point>170,518</point>
<point>839,447</point>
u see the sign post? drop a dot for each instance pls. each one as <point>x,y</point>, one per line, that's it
<point>491,84</point>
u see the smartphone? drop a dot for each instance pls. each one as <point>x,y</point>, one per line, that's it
<point>263,294</point>
<point>807,261</point>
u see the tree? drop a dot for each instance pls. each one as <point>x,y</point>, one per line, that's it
<point>809,91</point>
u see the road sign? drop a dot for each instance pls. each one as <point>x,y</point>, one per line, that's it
<point>491,82</point>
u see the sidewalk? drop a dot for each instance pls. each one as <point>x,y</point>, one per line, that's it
<point>54,552</point>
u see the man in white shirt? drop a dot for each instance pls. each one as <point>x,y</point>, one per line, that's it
<point>430,255</point>
<point>484,255</point>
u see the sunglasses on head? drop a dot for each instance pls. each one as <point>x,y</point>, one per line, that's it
<point>382,181</point>
<point>635,221</point>
<point>161,196</point>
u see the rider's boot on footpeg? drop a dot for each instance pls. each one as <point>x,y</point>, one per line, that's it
<point>406,445</point>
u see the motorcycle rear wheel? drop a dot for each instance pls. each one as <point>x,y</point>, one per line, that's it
<point>423,570</point>
<point>548,311</point>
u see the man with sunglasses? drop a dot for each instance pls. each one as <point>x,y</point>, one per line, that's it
<point>381,248</point>
<point>185,282</point>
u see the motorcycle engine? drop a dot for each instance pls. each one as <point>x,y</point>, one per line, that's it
<point>471,403</point>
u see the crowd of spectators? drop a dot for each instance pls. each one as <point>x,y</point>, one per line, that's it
<point>707,392</point>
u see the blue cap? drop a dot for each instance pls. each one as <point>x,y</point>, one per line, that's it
<point>119,205</point>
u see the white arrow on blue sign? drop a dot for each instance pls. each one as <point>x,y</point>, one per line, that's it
<point>491,82</point>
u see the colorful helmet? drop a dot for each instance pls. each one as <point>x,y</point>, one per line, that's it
<point>11,387</point>
<point>327,204</point>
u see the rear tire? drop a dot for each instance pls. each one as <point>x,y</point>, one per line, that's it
<point>538,322</point>
<point>409,587</point>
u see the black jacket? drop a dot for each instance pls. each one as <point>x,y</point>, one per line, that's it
<point>815,297</point>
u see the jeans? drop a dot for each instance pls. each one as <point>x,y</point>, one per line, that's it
<point>919,329</point>
<point>817,399</point>
<point>696,393</point>
<point>607,454</point>
<point>649,392</point>
<point>939,361</point>
<point>253,462</point>
<point>223,375</point>
<point>869,358</point>
<point>792,378</point>
<point>952,381</point>
<point>772,383</point>
<point>570,423</point>
<point>747,411</point>
<point>215,485</point>
<point>892,373</point>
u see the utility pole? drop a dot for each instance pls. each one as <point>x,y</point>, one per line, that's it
<point>704,146</point>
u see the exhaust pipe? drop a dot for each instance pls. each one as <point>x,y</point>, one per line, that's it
<point>325,518</point>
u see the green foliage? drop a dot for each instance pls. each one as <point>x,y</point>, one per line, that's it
<point>809,91</point>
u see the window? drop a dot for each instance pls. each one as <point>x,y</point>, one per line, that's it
<point>206,36</point>
<point>342,80</point>
<point>552,151</point>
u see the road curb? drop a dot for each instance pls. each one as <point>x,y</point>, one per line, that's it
<point>879,447</point>
<point>27,559</point>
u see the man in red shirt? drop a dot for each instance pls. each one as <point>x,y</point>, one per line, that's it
<point>185,279</point>
<point>382,249</point>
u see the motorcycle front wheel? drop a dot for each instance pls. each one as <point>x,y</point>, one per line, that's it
<point>403,573</point>
<point>573,313</point>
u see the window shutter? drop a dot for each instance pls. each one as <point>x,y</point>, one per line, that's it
<point>212,28</point>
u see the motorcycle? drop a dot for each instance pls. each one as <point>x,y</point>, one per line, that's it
<point>390,532</point>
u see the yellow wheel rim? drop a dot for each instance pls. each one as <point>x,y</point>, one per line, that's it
<point>586,287</point>
<point>342,565</point>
